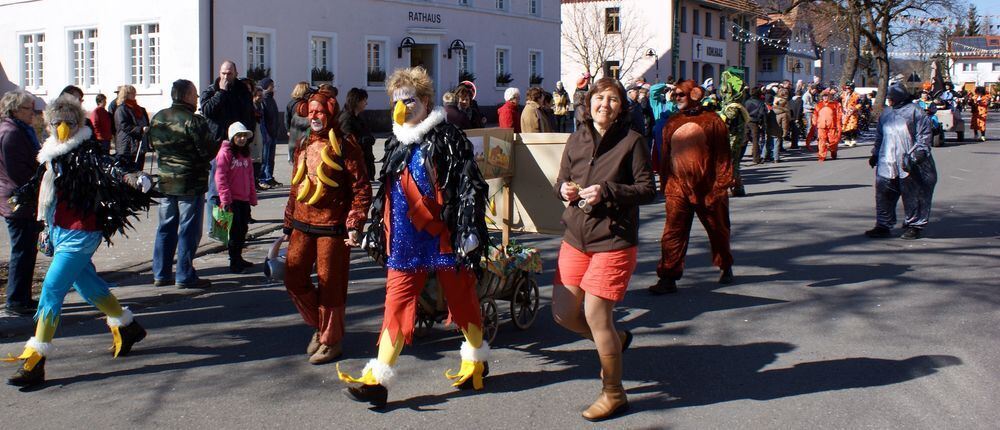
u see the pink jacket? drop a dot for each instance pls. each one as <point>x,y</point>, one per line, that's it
<point>234,176</point>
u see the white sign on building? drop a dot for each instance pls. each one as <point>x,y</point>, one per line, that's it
<point>708,51</point>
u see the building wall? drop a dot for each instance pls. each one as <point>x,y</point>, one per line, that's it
<point>983,71</point>
<point>186,28</point>
<point>658,17</point>
<point>181,53</point>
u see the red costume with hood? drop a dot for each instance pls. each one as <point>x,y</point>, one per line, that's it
<point>330,196</point>
<point>696,168</point>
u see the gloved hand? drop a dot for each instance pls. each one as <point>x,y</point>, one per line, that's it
<point>873,161</point>
<point>469,243</point>
<point>139,181</point>
<point>919,156</point>
<point>908,163</point>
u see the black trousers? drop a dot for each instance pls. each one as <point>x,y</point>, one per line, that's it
<point>238,231</point>
<point>23,253</point>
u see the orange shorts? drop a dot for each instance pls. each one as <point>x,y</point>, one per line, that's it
<point>602,274</point>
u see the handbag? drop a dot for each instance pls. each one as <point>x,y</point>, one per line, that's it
<point>45,244</point>
<point>222,221</point>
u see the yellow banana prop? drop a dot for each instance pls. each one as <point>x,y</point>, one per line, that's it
<point>335,144</point>
<point>399,113</point>
<point>328,160</point>
<point>321,175</point>
<point>304,190</point>
<point>320,190</point>
<point>300,172</point>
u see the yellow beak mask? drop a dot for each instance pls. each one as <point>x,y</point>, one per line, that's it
<point>399,113</point>
<point>63,131</point>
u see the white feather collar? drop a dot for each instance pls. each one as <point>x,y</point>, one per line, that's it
<point>52,148</point>
<point>410,134</point>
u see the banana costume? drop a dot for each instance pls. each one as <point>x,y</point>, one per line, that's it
<point>328,203</point>
<point>73,171</point>
<point>429,216</point>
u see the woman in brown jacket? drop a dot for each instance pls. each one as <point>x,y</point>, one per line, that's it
<point>604,175</point>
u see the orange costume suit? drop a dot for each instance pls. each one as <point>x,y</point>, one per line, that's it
<point>979,105</point>
<point>852,106</point>
<point>330,196</point>
<point>827,123</point>
<point>697,171</point>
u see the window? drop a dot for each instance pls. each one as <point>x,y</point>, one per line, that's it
<point>613,69</point>
<point>32,54</point>
<point>535,65</point>
<point>323,56</point>
<point>722,28</point>
<point>695,68</point>
<point>736,24</point>
<point>684,19</point>
<point>767,65</point>
<point>502,4</point>
<point>503,61</point>
<point>967,67</point>
<point>258,55</point>
<point>996,67</point>
<point>375,58</point>
<point>84,57</point>
<point>533,7</point>
<point>466,60</point>
<point>708,24</point>
<point>695,22</point>
<point>683,72</point>
<point>612,20</point>
<point>463,2</point>
<point>144,53</point>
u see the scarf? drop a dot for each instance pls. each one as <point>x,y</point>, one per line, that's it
<point>136,109</point>
<point>30,131</point>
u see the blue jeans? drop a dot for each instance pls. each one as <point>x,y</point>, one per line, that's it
<point>773,148</point>
<point>23,253</point>
<point>267,159</point>
<point>212,192</point>
<point>180,232</point>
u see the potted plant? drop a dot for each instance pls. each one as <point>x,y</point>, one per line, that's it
<point>466,75</point>
<point>258,73</point>
<point>376,77</point>
<point>535,79</point>
<point>504,79</point>
<point>321,76</point>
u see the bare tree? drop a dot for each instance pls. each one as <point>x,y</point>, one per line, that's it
<point>593,36</point>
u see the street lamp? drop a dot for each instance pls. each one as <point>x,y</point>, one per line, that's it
<point>796,68</point>
<point>656,60</point>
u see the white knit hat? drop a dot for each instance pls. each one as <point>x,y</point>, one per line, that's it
<point>237,128</point>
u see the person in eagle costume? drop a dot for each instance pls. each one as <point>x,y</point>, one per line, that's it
<point>732,91</point>
<point>696,171</point>
<point>428,217</point>
<point>326,210</point>
<point>83,196</point>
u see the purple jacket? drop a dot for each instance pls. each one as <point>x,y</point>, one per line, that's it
<point>17,166</point>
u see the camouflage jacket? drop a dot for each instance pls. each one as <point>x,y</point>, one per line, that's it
<point>185,146</point>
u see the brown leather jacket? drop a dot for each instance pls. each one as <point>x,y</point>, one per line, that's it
<point>341,208</point>
<point>620,164</point>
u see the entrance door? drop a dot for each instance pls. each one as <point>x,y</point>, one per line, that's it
<point>423,55</point>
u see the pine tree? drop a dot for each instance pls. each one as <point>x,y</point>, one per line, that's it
<point>973,22</point>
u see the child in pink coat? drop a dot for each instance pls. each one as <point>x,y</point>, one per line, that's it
<point>235,182</point>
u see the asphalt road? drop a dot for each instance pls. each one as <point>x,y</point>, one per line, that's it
<point>823,329</point>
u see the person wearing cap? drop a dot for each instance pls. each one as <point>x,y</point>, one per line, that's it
<point>237,193</point>
<point>904,167</point>
<point>637,122</point>
<point>185,147</point>
<point>696,171</point>
<point>827,123</point>
<point>508,114</point>
<point>852,106</point>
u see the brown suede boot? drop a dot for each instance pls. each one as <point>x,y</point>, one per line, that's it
<point>612,400</point>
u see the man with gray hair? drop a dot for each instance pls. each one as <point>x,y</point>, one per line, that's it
<point>18,149</point>
<point>186,146</point>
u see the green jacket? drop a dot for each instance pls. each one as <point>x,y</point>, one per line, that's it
<point>185,146</point>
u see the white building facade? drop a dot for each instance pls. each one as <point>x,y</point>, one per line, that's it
<point>685,39</point>
<point>100,44</point>
<point>976,62</point>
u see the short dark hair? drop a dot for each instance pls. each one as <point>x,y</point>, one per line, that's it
<point>601,85</point>
<point>101,98</point>
<point>354,97</point>
<point>179,89</point>
<point>72,89</point>
<point>535,94</point>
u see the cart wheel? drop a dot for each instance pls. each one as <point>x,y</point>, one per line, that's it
<point>524,303</point>
<point>423,323</point>
<point>491,320</point>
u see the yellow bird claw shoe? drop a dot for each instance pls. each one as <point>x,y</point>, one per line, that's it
<point>474,367</point>
<point>374,380</point>
<point>32,370</point>
<point>126,332</point>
